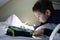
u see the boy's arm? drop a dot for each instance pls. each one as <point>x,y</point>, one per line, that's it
<point>45,29</point>
<point>42,32</point>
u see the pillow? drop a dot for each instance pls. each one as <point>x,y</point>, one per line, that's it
<point>15,31</point>
<point>13,20</point>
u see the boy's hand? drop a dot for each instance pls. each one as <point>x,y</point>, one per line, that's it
<point>38,32</point>
<point>27,26</point>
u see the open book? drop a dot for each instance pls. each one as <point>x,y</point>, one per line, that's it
<point>13,20</point>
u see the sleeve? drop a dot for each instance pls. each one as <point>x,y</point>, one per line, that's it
<point>47,32</point>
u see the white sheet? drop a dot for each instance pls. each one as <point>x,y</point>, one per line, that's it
<point>3,28</point>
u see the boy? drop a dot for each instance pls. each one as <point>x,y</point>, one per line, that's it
<point>44,11</point>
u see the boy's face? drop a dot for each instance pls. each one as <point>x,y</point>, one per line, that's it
<point>42,17</point>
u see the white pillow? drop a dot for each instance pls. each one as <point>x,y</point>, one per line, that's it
<point>13,20</point>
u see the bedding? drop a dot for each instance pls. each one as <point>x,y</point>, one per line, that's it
<point>3,28</point>
<point>5,37</point>
<point>13,20</point>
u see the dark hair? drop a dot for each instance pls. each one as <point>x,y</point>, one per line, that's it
<point>43,5</point>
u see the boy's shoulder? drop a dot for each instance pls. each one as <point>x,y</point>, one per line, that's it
<point>49,26</point>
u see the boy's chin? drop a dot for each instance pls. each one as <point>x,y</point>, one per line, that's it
<point>42,21</point>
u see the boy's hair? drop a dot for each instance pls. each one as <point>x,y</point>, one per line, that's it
<point>43,5</point>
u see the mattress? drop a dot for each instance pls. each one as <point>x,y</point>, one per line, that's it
<point>5,37</point>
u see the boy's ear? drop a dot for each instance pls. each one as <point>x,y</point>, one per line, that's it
<point>48,12</point>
